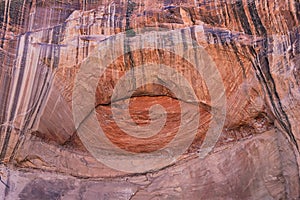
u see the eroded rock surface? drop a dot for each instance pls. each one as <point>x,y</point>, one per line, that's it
<point>255,48</point>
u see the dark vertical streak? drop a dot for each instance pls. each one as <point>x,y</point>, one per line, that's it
<point>43,96</point>
<point>240,12</point>
<point>34,102</point>
<point>5,88</point>
<point>16,97</point>
<point>260,29</point>
<point>129,60</point>
<point>4,25</point>
<point>264,76</point>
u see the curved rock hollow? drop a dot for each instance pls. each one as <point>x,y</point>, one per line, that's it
<point>248,53</point>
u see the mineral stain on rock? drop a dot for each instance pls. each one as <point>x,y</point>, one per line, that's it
<point>254,45</point>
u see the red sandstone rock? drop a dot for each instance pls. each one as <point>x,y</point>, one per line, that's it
<point>255,48</point>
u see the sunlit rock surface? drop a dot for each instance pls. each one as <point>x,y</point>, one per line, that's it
<point>255,47</point>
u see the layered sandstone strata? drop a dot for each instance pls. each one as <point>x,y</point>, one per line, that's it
<point>255,48</point>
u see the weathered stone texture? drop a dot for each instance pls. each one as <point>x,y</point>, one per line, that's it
<point>255,46</point>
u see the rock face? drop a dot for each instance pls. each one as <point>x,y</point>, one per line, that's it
<point>250,54</point>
